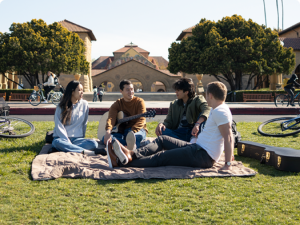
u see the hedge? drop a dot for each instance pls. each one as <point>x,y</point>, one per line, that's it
<point>239,94</point>
<point>8,91</point>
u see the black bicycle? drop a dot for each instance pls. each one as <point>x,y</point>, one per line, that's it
<point>283,100</point>
<point>280,127</point>
<point>13,127</point>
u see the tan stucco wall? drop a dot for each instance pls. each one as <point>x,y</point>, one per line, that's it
<point>138,71</point>
<point>292,33</point>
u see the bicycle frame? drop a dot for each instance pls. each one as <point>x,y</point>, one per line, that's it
<point>285,125</point>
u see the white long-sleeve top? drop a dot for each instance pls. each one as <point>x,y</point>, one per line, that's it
<point>77,126</point>
<point>50,81</point>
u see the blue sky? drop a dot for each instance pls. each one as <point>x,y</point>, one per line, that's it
<point>152,25</point>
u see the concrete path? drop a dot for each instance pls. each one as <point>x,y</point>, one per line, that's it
<point>161,107</point>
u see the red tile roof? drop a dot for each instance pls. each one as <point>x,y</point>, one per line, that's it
<point>98,71</point>
<point>73,27</point>
<point>291,42</point>
<point>102,62</point>
<point>161,62</point>
<point>289,29</point>
<point>188,30</point>
<point>138,49</point>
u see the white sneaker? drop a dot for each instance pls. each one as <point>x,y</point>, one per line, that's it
<point>118,151</point>
<point>45,101</point>
<point>88,152</point>
<point>130,140</point>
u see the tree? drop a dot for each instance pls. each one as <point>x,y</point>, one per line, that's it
<point>230,49</point>
<point>34,48</point>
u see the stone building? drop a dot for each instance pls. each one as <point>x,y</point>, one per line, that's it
<point>291,38</point>
<point>148,73</point>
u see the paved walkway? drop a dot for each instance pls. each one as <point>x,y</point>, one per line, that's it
<point>161,107</point>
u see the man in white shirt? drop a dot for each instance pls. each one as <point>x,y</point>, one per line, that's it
<point>167,151</point>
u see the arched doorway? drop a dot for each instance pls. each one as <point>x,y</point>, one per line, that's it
<point>158,86</point>
<point>137,85</point>
<point>297,71</point>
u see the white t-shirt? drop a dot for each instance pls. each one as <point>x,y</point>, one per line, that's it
<point>210,139</point>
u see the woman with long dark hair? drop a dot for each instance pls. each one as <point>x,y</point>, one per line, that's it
<point>71,118</point>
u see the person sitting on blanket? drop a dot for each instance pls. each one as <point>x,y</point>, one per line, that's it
<point>134,131</point>
<point>71,116</point>
<point>168,151</point>
<point>185,114</point>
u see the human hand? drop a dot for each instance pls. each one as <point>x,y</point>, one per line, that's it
<point>107,137</point>
<point>195,130</point>
<point>160,127</point>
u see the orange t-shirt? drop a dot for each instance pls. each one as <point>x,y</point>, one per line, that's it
<point>132,108</point>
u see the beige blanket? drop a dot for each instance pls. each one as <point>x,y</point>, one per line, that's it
<point>73,165</point>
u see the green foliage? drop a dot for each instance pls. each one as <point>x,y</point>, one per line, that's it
<point>270,197</point>
<point>35,47</point>
<point>232,47</point>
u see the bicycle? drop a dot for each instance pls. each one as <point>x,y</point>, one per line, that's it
<point>283,100</point>
<point>280,127</point>
<point>37,96</point>
<point>13,127</point>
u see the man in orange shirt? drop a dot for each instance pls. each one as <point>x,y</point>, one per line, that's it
<point>134,131</point>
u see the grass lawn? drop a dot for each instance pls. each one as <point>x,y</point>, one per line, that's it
<point>271,197</point>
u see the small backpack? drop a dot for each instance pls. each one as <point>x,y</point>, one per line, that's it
<point>56,81</point>
<point>285,82</point>
<point>236,135</point>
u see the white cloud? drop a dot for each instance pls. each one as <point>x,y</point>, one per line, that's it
<point>1,1</point>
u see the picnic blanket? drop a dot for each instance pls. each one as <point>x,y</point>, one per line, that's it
<point>74,165</point>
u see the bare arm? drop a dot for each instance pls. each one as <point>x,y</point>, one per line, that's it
<point>226,133</point>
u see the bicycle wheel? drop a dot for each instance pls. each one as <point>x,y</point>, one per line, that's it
<point>35,99</point>
<point>12,127</point>
<point>56,98</point>
<point>273,127</point>
<point>281,101</point>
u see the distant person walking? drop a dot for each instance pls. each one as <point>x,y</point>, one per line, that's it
<point>100,93</point>
<point>95,90</point>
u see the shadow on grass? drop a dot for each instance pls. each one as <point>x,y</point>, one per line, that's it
<point>263,168</point>
<point>34,147</point>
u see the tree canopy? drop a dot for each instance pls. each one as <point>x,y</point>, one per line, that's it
<point>34,48</point>
<point>229,49</point>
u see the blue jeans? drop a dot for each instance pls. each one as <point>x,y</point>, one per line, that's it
<point>76,145</point>
<point>139,136</point>
<point>180,133</point>
<point>95,97</point>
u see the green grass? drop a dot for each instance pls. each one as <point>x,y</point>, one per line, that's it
<point>271,197</point>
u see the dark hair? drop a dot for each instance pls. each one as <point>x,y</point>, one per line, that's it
<point>95,87</point>
<point>185,84</point>
<point>124,82</point>
<point>217,89</point>
<point>66,104</point>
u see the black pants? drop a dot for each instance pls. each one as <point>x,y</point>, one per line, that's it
<point>100,98</point>
<point>47,90</point>
<point>290,91</point>
<point>168,151</point>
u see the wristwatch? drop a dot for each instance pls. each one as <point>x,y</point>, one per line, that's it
<point>228,163</point>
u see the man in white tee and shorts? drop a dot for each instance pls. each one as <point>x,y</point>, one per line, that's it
<point>167,151</point>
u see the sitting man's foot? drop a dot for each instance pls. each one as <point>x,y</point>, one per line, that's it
<point>130,140</point>
<point>111,157</point>
<point>45,101</point>
<point>122,153</point>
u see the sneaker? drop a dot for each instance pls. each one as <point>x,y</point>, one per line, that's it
<point>45,101</point>
<point>88,152</point>
<point>118,151</point>
<point>130,140</point>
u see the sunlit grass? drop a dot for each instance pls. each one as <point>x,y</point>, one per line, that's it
<point>271,197</point>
